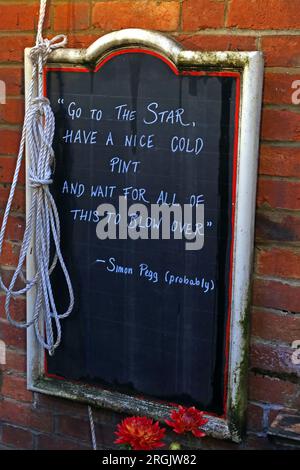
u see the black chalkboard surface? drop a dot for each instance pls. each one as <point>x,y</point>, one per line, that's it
<point>150,316</point>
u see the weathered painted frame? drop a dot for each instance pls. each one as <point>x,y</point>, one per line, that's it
<point>250,66</point>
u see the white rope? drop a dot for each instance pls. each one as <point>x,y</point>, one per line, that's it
<point>92,427</point>
<point>42,223</point>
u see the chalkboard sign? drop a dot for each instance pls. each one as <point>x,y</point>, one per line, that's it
<point>151,316</point>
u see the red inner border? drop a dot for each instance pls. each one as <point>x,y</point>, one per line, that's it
<point>234,176</point>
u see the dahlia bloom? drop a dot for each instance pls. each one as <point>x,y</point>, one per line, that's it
<point>187,420</point>
<point>140,433</point>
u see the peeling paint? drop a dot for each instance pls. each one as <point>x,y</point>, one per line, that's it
<point>239,399</point>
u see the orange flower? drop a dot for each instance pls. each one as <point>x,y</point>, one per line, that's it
<point>140,433</point>
<point>187,419</point>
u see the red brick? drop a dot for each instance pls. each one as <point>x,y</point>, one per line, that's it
<point>16,388</point>
<point>9,142</point>
<point>12,47</point>
<point>278,262</point>
<point>149,14</point>
<point>7,274</point>
<point>278,194</point>
<point>18,17</point>
<point>271,390</point>
<point>47,442</point>
<point>10,254</point>
<point>7,169</point>
<point>72,427</point>
<point>13,78</point>
<point>269,14</point>
<point>201,14</point>
<point>295,96</point>
<point>279,161</point>
<point>17,437</point>
<point>18,308</point>
<point>106,435</point>
<point>275,326</point>
<point>78,411</point>
<point>82,40</point>
<point>255,417</point>
<point>23,414</point>
<point>12,336</point>
<point>15,228</point>
<point>105,417</point>
<point>12,112</point>
<point>70,17</point>
<point>272,128</point>
<point>61,406</point>
<point>225,42</point>
<point>18,204</point>
<point>273,358</point>
<point>281,51</point>
<point>15,361</point>
<point>278,88</point>
<point>277,226</point>
<point>277,295</point>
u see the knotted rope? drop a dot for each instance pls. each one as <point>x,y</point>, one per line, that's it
<point>42,222</point>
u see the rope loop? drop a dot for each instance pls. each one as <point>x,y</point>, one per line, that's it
<point>41,101</point>
<point>42,223</point>
<point>44,47</point>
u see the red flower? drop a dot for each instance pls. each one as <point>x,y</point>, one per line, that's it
<point>187,419</point>
<point>140,433</point>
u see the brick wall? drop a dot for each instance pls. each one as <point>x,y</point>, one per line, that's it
<point>30,420</point>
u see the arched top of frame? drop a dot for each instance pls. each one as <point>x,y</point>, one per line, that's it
<point>116,40</point>
<point>160,43</point>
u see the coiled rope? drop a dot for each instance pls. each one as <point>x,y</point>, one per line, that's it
<point>42,224</point>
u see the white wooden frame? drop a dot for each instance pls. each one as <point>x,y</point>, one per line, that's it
<point>250,66</point>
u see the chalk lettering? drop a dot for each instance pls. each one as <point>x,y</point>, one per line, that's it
<point>96,114</point>
<point>73,111</point>
<point>118,268</point>
<point>185,145</point>
<point>109,140</point>
<point>143,141</point>
<point>80,137</point>
<point>151,276</point>
<point>136,194</point>
<point>102,191</point>
<point>118,165</point>
<point>73,188</point>
<point>166,198</point>
<point>167,116</point>
<point>125,114</point>
<point>85,215</point>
